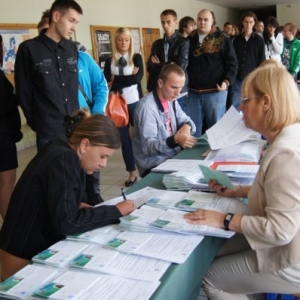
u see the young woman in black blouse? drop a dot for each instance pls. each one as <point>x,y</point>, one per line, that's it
<point>49,200</point>
<point>124,72</point>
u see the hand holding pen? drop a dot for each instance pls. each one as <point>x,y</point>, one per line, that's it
<point>127,206</point>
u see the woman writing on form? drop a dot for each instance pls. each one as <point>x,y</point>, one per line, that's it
<point>264,255</point>
<point>48,202</point>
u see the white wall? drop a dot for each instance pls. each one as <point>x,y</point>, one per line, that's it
<point>288,13</point>
<point>133,13</point>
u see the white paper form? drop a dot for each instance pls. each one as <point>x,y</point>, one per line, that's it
<point>229,130</point>
<point>129,242</point>
<point>211,201</point>
<point>191,165</point>
<point>116,288</point>
<point>98,259</point>
<point>99,235</point>
<point>60,253</point>
<point>28,279</point>
<point>165,199</point>
<point>69,285</point>
<point>174,221</point>
<point>174,248</point>
<point>140,196</point>
<point>141,217</point>
<point>239,171</point>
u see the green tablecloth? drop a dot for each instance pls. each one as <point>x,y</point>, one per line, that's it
<point>183,282</point>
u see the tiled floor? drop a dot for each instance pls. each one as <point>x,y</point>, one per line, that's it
<point>111,181</point>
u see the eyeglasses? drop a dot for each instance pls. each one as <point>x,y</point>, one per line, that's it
<point>246,99</point>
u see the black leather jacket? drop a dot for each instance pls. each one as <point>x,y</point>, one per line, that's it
<point>178,53</point>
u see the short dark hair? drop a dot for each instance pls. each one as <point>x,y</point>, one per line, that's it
<point>62,6</point>
<point>171,12</point>
<point>45,14</point>
<point>250,14</point>
<point>227,23</point>
<point>184,22</point>
<point>168,69</point>
<point>272,21</point>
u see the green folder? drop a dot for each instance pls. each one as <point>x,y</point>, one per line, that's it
<point>220,177</point>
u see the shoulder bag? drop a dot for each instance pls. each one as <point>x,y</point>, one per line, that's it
<point>117,110</point>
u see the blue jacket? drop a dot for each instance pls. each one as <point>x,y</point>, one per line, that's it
<point>92,80</point>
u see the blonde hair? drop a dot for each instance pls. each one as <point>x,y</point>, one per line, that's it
<point>280,86</point>
<point>292,27</point>
<point>126,31</point>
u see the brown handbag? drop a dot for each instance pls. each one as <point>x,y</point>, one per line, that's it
<point>117,110</point>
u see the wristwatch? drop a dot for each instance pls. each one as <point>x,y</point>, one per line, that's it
<point>227,220</point>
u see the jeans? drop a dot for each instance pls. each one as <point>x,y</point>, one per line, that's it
<point>236,93</point>
<point>210,105</point>
<point>126,143</point>
<point>182,102</point>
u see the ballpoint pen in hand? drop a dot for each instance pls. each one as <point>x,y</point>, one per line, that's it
<point>123,193</point>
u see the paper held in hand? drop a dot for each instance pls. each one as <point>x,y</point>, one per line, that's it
<point>230,130</point>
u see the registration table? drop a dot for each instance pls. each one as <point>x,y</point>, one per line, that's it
<point>183,282</point>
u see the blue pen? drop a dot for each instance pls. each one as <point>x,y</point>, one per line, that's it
<point>123,194</point>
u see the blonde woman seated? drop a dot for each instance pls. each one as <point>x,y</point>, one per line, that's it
<point>48,202</point>
<point>264,256</point>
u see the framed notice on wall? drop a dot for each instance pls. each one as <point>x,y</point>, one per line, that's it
<point>103,38</point>
<point>13,35</point>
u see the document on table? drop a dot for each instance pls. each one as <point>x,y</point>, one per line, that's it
<point>197,200</point>
<point>140,197</point>
<point>60,253</point>
<point>229,130</point>
<point>173,165</point>
<point>98,235</point>
<point>116,288</point>
<point>25,281</point>
<point>98,259</point>
<point>220,177</point>
<point>168,247</point>
<point>69,285</point>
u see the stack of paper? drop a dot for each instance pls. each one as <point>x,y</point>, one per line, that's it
<point>168,247</point>
<point>190,165</point>
<point>240,174</point>
<point>28,279</point>
<point>59,254</point>
<point>98,259</point>
<point>172,220</point>
<point>98,235</point>
<point>230,130</point>
<point>249,151</point>
<point>68,285</point>
<point>116,288</point>
<point>184,180</point>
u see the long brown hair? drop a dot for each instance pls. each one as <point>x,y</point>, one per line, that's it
<point>98,129</point>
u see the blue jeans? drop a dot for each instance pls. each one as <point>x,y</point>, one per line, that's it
<point>210,105</point>
<point>236,93</point>
<point>182,102</point>
<point>126,143</point>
